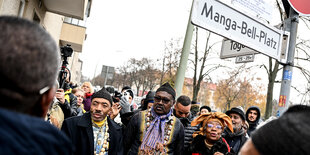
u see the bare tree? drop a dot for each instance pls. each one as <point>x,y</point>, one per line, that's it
<point>199,72</point>
<point>170,59</point>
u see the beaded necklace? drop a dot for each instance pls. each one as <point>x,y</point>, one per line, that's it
<point>168,126</point>
<point>102,139</point>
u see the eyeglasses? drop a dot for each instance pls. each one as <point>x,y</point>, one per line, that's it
<point>164,100</point>
<point>44,90</point>
<point>212,125</point>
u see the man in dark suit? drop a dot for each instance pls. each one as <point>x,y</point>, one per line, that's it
<point>94,132</point>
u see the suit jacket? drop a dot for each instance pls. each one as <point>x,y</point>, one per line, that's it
<point>79,129</point>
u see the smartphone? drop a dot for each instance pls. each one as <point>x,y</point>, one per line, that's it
<point>126,95</point>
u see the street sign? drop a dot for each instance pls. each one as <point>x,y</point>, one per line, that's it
<point>259,8</point>
<point>301,6</point>
<point>220,18</point>
<point>245,58</point>
<point>231,48</point>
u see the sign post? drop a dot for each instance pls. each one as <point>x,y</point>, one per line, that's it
<point>301,6</point>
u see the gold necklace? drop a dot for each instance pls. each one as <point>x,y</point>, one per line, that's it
<point>106,139</point>
<point>168,126</point>
<point>209,146</point>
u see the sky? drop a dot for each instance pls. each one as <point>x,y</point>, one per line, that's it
<point>118,30</point>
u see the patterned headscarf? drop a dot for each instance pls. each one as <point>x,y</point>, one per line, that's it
<point>220,117</point>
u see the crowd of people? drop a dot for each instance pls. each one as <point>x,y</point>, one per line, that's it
<point>37,117</point>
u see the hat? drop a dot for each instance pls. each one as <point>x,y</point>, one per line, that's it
<point>103,93</point>
<point>286,135</point>
<point>238,110</point>
<point>167,88</point>
<point>205,118</point>
<point>205,107</point>
<point>150,96</point>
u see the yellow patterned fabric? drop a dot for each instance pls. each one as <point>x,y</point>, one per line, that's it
<point>99,124</point>
<point>211,116</point>
<point>67,97</point>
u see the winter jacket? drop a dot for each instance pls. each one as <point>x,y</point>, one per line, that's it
<point>87,102</point>
<point>79,129</point>
<point>28,135</point>
<point>69,108</point>
<point>136,129</point>
<point>198,146</point>
<point>235,140</point>
<point>188,130</point>
<point>252,125</point>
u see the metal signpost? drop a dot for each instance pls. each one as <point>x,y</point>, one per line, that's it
<point>224,20</point>
<point>302,7</point>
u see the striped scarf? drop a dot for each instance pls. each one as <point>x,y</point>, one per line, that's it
<point>155,132</point>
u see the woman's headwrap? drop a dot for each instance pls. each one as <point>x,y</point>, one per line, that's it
<point>220,117</point>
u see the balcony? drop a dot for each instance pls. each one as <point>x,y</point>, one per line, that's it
<point>73,35</point>
<point>70,8</point>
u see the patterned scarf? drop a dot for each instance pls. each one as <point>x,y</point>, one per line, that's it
<point>155,132</point>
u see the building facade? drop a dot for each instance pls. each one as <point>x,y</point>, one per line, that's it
<point>64,20</point>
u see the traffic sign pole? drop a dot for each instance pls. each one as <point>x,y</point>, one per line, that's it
<point>184,56</point>
<point>288,68</point>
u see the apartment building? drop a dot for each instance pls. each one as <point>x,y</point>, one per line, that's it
<point>64,20</point>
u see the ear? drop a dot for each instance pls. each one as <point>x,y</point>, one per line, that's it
<point>46,100</point>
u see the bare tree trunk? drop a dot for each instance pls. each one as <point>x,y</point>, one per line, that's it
<point>272,74</point>
<point>162,72</point>
<point>195,69</point>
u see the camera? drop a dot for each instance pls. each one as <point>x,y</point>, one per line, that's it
<point>117,96</point>
<point>66,51</point>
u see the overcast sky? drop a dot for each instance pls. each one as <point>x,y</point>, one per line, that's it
<point>120,29</point>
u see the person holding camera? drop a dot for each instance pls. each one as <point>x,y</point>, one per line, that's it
<point>67,100</point>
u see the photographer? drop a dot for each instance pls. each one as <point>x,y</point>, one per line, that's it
<point>67,100</point>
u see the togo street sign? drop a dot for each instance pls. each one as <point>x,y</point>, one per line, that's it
<point>220,18</point>
<point>231,49</point>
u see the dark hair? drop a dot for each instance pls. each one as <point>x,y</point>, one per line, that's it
<point>184,100</point>
<point>125,88</point>
<point>205,107</point>
<point>29,61</point>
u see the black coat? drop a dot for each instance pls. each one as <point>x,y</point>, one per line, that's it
<point>188,130</point>
<point>234,140</point>
<point>79,129</point>
<point>198,146</point>
<point>28,135</point>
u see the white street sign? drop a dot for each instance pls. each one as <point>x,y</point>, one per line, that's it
<point>259,8</point>
<point>219,18</point>
<point>231,48</point>
<point>245,58</point>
